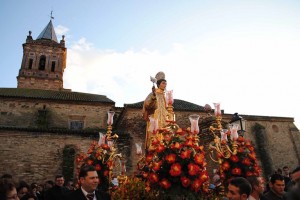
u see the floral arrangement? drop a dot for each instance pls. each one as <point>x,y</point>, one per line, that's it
<point>133,188</point>
<point>97,155</point>
<point>243,163</point>
<point>175,163</point>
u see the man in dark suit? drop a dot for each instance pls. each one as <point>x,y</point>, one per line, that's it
<point>58,191</point>
<point>89,181</point>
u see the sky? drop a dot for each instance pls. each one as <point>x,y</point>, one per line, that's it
<point>241,54</point>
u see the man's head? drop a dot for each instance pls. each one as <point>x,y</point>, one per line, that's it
<point>286,171</point>
<point>257,184</point>
<point>8,190</point>
<point>88,178</point>
<point>238,189</point>
<point>59,180</point>
<point>277,184</point>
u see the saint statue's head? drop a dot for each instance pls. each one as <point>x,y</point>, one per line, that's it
<point>160,77</point>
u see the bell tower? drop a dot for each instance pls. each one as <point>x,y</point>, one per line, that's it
<point>44,61</point>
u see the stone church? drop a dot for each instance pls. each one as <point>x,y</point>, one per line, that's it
<point>43,126</point>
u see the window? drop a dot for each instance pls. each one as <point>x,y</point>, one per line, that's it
<point>42,63</point>
<point>76,125</point>
<point>53,66</point>
<point>30,63</point>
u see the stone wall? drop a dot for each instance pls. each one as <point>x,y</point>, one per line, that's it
<point>34,156</point>
<point>37,157</point>
<point>51,114</point>
<point>279,141</point>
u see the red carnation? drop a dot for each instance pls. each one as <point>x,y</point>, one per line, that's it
<point>249,173</point>
<point>149,157</point>
<point>246,161</point>
<point>196,185</point>
<point>240,139</point>
<point>203,177</point>
<point>193,169</point>
<point>236,171</point>
<point>156,165</point>
<point>164,183</point>
<point>167,137</point>
<point>105,173</point>
<point>98,167</point>
<point>189,143</point>
<point>175,169</point>
<point>240,149</point>
<point>252,156</point>
<point>185,154</point>
<point>171,158</point>
<point>199,158</point>
<point>177,145</point>
<point>234,158</point>
<point>155,141</point>
<point>160,148</point>
<point>153,177</point>
<point>225,166</point>
<point>185,181</point>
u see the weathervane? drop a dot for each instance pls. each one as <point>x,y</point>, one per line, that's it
<point>51,15</point>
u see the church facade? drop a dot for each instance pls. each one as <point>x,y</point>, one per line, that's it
<point>43,126</point>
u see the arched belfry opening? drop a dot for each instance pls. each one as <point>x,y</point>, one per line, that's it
<point>42,63</point>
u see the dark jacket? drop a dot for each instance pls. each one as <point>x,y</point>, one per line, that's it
<point>272,196</point>
<point>56,193</point>
<point>293,194</point>
<point>78,195</point>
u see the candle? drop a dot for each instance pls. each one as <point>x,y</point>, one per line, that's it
<point>110,119</point>
<point>217,109</point>
<point>234,131</point>
<point>101,139</point>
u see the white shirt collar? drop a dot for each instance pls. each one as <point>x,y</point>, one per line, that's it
<point>85,193</point>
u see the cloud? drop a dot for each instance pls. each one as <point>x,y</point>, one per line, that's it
<point>255,77</point>
<point>61,30</point>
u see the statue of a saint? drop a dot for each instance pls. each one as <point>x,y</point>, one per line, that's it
<point>155,105</point>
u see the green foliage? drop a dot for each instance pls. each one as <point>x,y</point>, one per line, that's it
<point>43,116</point>
<point>260,138</point>
<point>68,162</point>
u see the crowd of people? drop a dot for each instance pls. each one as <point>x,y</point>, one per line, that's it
<point>282,185</point>
<point>57,190</point>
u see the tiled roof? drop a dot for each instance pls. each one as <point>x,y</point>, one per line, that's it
<point>48,33</point>
<point>52,95</point>
<point>178,105</point>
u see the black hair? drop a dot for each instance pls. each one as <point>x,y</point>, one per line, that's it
<point>243,185</point>
<point>275,177</point>
<point>59,176</point>
<point>85,169</point>
<point>7,176</point>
